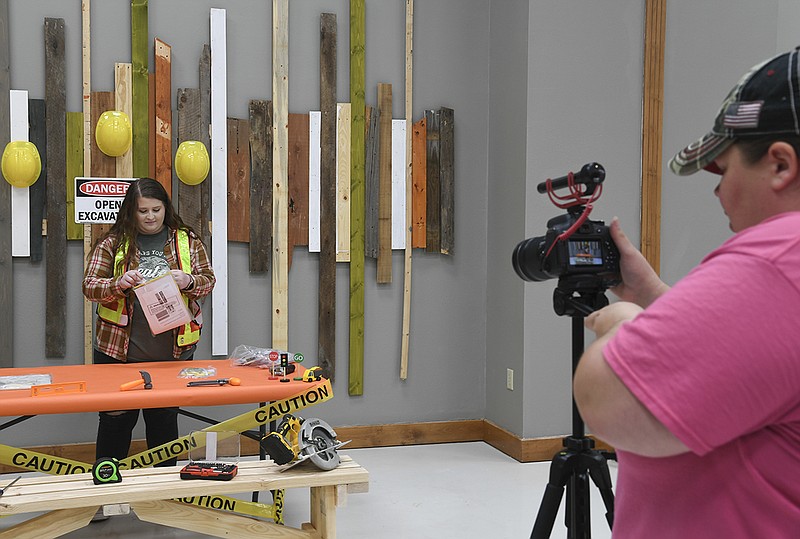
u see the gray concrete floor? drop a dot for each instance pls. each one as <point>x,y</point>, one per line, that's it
<point>444,491</point>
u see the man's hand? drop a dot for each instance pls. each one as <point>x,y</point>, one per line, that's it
<point>604,320</point>
<point>640,283</point>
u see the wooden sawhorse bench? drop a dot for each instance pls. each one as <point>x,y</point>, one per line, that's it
<point>72,500</point>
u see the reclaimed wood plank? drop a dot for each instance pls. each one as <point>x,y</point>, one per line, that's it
<point>74,169</point>
<point>343,180</point>
<point>326,319</point>
<point>204,70</point>
<point>280,188</point>
<point>163,115</point>
<point>102,165</point>
<point>260,185</point>
<point>372,183</point>
<point>38,135</point>
<point>238,180</point>
<point>446,181</point>
<point>140,58</point>
<point>433,214</point>
<point>219,181</point>
<point>385,190</point>
<point>151,125</point>
<point>6,262</point>
<point>56,252</point>
<point>189,204</point>
<point>419,174</point>
<point>123,101</point>
<point>297,173</point>
<point>358,45</point>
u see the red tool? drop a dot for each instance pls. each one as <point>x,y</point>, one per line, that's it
<point>219,382</point>
<point>146,380</point>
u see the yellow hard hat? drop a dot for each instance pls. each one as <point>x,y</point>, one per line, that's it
<point>192,162</point>
<point>21,163</point>
<point>113,133</point>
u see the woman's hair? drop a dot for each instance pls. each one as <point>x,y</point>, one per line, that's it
<point>125,227</point>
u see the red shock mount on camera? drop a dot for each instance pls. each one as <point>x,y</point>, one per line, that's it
<point>580,194</point>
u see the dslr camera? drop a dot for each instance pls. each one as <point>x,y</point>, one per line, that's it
<point>576,250</point>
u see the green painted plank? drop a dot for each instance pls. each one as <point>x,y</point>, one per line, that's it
<point>357,195</point>
<point>74,169</point>
<point>141,88</point>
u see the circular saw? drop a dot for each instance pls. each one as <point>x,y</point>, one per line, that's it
<point>297,439</point>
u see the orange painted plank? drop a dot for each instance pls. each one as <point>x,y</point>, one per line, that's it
<point>419,175</point>
<point>163,115</point>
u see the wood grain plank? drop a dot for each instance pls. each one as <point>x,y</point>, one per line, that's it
<point>74,169</point>
<point>419,174</point>
<point>326,347</point>
<point>86,111</point>
<point>385,190</point>
<point>140,57</point>
<point>260,185</point>
<point>38,135</point>
<point>280,188</point>
<point>433,215</point>
<point>123,101</point>
<point>408,193</point>
<point>163,115</point>
<point>151,125</point>
<point>238,180</point>
<point>56,253</point>
<point>6,266</point>
<point>652,126</point>
<point>297,167</point>
<point>103,166</point>
<point>446,181</point>
<point>189,203</point>
<point>343,180</point>
<point>372,184</point>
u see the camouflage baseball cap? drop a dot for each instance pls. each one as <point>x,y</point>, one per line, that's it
<point>765,102</point>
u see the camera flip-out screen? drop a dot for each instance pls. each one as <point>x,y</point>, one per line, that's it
<point>585,253</point>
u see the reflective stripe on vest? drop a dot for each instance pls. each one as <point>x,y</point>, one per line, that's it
<point>114,312</point>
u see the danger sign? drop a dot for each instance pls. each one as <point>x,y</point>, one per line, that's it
<point>97,200</point>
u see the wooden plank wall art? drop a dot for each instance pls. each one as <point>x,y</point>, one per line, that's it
<point>347,181</point>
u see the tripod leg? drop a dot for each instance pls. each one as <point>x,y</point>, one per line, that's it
<point>560,471</point>
<point>577,517</point>
<point>598,470</point>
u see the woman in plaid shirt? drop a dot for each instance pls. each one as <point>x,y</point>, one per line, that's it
<point>148,239</point>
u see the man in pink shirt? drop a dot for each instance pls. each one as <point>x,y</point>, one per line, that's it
<point>698,386</point>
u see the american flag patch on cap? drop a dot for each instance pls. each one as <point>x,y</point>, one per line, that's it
<point>742,115</point>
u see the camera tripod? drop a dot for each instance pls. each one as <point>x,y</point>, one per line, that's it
<point>578,460</point>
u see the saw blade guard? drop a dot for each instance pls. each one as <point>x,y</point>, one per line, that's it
<point>318,441</point>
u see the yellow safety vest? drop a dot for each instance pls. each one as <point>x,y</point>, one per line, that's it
<point>116,311</point>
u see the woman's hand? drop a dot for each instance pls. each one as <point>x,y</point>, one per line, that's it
<point>184,280</point>
<point>130,279</point>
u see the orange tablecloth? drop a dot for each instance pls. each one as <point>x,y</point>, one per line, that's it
<point>103,388</point>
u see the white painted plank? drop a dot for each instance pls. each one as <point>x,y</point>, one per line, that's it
<point>314,152</point>
<point>398,184</point>
<point>219,182</point>
<point>20,196</point>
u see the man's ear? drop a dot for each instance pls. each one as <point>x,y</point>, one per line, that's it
<point>784,165</point>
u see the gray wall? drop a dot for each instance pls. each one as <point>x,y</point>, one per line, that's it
<point>539,88</point>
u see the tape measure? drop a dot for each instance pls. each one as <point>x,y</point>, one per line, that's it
<point>106,471</point>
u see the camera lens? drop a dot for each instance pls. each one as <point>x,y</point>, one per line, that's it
<point>527,259</point>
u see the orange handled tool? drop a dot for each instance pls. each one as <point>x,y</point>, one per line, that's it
<point>145,379</point>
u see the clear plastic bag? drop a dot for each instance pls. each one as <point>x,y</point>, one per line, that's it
<point>245,355</point>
